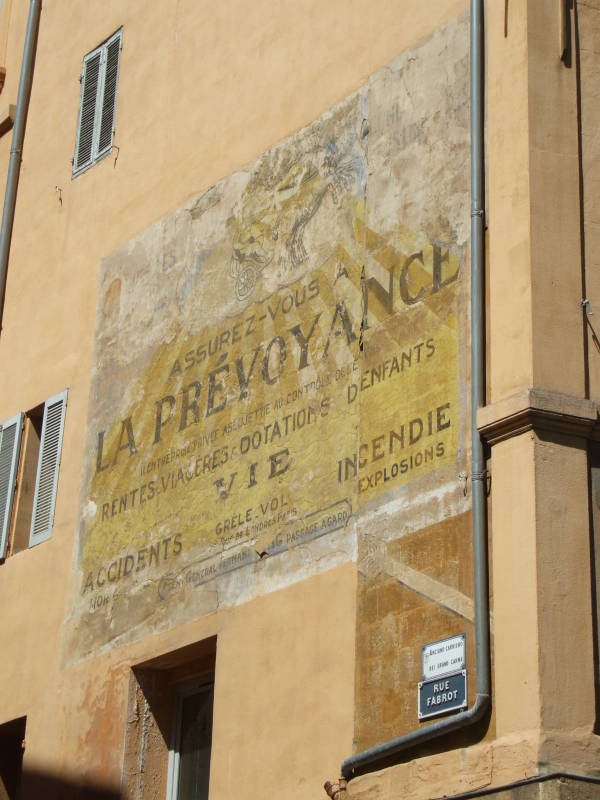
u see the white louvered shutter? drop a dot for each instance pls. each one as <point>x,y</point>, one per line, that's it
<point>46,481</point>
<point>109,95</point>
<point>10,443</point>
<point>90,82</point>
<point>96,125</point>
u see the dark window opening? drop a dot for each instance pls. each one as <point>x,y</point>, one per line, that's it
<point>12,742</point>
<point>189,758</point>
<point>170,725</point>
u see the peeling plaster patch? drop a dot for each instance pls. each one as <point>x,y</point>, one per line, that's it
<point>281,364</point>
<point>89,510</point>
<point>414,511</point>
<point>432,589</point>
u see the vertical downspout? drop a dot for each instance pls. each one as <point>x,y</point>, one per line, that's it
<point>379,756</point>
<point>16,147</point>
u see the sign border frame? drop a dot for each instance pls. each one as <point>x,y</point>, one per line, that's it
<point>447,710</point>
<point>454,671</point>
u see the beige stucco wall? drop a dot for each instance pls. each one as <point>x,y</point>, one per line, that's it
<point>203,91</point>
<point>544,693</point>
<point>550,337</point>
<point>589,32</point>
<point>292,693</point>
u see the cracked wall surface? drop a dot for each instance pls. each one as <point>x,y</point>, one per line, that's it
<point>279,381</point>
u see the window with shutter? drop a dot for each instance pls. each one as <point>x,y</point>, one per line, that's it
<point>87,113</point>
<point>97,106</point>
<point>10,441</point>
<point>47,471</point>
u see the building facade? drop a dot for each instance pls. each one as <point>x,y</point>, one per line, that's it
<point>236,468</point>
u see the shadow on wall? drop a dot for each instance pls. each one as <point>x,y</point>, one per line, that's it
<point>17,783</point>
<point>35,785</point>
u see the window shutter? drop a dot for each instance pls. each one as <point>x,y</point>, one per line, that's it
<point>109,99</point>
<point>47,472</point>
<point>96,126</point>
<point>10,442</point>
<point>87,111</point>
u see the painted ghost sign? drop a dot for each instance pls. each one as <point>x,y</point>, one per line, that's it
<point>279,357</point>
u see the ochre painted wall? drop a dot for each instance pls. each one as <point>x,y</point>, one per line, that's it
<point>202,91</point>
<point>327,661</point>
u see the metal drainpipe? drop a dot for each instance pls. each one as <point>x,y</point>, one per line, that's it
<point>376,757</point>
<point>16,147</point>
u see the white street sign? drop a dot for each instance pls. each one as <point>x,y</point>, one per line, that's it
<point>443,658</point>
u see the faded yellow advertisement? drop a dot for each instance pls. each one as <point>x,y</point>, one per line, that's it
<point>276,359</point>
